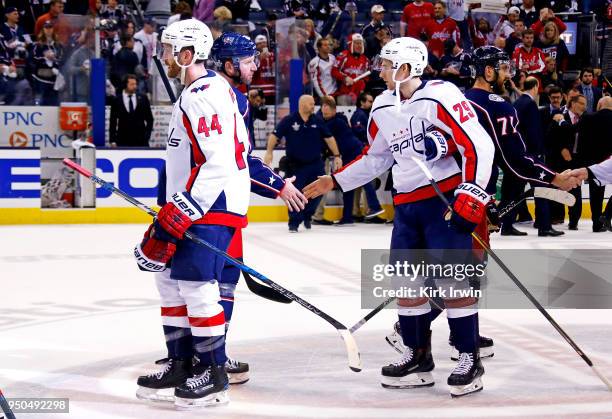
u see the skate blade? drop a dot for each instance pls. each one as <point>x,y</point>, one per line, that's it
<point>395,343</point>
<point>238,378</point>
<point>473,387</point>
<point>486,352</point>
<point>165,395</point>
<point>215,399</point>
<point>419,379</point>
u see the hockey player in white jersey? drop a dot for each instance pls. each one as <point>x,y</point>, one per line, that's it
<point>207,193</point>
<point>400,119</point>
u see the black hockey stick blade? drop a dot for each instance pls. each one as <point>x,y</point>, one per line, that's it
<point>264,291</point>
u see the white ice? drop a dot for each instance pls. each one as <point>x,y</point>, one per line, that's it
<point>80,321</point>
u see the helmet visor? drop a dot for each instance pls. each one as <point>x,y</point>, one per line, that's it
<point>507,66</point>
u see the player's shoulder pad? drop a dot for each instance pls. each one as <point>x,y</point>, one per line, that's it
<point>383,100</point>
<point>439,90</point>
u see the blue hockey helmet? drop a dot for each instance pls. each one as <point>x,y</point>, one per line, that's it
<point>490,56</point>
<point>232,46</point>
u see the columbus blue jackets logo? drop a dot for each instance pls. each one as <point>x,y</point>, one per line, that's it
<point>201,88</point>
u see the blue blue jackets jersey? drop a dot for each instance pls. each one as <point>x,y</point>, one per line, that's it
<point>501,122</point>
<point>264,181</point>
<point>304,140</point>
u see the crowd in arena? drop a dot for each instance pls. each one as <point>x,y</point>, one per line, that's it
<point>45,55</point>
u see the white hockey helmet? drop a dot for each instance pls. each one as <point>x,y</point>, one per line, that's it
<point>188,33</point>
<point>409,51</point>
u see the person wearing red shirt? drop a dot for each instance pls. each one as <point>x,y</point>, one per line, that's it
<point>264,77</point>
<point>527,57</point>
<point>440,29</point>
<point>547,15</point>
<point>414,18</point>
<point>350,64</point>
<point>56,8</point>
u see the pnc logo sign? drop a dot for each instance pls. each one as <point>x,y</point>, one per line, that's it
<point>18,139</point>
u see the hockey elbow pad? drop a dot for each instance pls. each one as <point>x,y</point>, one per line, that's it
<point>179,214</point>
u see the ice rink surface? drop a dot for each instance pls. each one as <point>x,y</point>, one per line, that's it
<point>80,321</point>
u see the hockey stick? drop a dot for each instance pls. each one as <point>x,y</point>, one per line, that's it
<point>516,281</point>
<point>6,408</point>
<point>349,341</point>
<point>550,194</point>
<point>362,76</point>
<point>371,314</point>
<point>256,288</point>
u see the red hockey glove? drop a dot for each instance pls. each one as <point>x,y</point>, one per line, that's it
<point>153,253</point>
<point>177,216</point>
<point>468,207</point>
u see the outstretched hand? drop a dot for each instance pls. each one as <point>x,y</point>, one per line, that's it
<point>295,200</point>
<point>566,180</point>
<point>319,187</point>
<point>581,173</point>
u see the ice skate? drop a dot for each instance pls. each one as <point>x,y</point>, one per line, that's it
<point>465,378</point>
<point>160,386</point>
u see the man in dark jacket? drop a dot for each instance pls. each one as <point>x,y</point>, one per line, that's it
<point>530,128</point>
<point>586,88</point>
<point>566,149</point>
<point>593,149</point>
<point>359,120</point>
<point>131,119</point>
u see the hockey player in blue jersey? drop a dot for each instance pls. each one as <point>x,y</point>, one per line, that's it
<point>236,59</point>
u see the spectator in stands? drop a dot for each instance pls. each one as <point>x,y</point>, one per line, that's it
<point>238,8</point>
<point>359,119</point>
<point>78,68</point>
<point>550,77</point>
<point>374,44</point>
<point>376,84</point>
<point>14,35</point>
<point>111,40</point>
<point>529,13</point>
<point>320,70</point>
<point>456,11</point>
<point>264,77</point>
<point>594,148</point>
<point>515,38</point>
<point>552,108</point>
<point>148,38</point>
<point>440,28</point>
<point>432,70</point>
<point>547,15</point>
<point>586,88</point>
<point>553,46</point>
<point>415,17</point>
<point>96,8</point>
<point>567,147</point>
<point>182,8</point>
<point>300,9</point>
<point>313,37</point>
<point>505,25</point>
<point>481,32</point>
<point>378,15</point>
<point>527,57</point>
<point>203,10</point>
<point>455,65</point>
<point>131,119</point>
<point>305,135</point>
<point>257,110</point>
<point>47,59</point>
<point>124,62</point>
<point>515,86</point>
<point>130,31</point>
<point>112,11</point>
<point>56,9</point>
<point>350,64</point>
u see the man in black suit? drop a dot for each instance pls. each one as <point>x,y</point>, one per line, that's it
<point>593,149</point>
<point>547,113</point>
<point>586,88</point>
<point>530,128</point>
<point>131,120</point>
<point>567,147</point>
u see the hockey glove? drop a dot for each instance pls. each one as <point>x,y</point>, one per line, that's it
<point>436,146</point>
<point>177,216</point>
<point>493,221</point>
<point>468,207</point>
<point>155,250</point>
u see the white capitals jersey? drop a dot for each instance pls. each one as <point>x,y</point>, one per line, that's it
<point>395,137</point>
<point>207,151</point>
<point>321,74</point>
